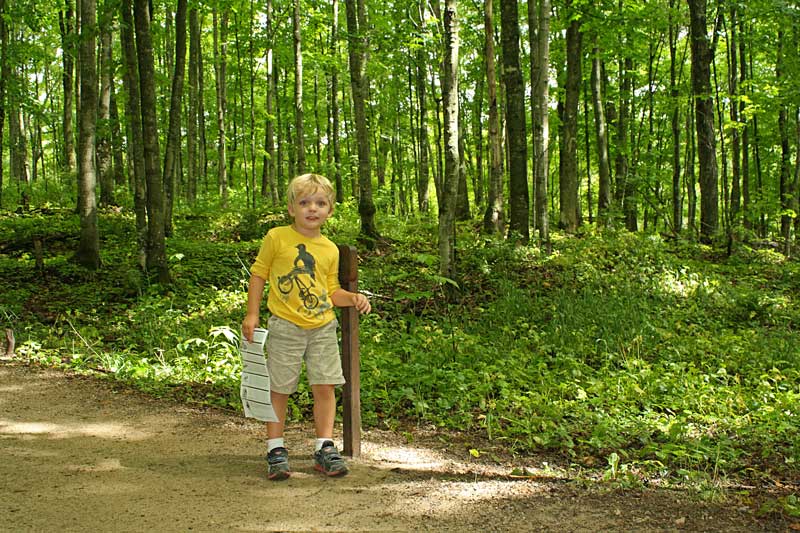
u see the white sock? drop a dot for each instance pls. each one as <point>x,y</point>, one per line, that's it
<point>274,443</point>
<point>320,442</point>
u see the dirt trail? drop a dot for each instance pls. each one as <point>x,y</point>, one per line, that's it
<point>79,454</point>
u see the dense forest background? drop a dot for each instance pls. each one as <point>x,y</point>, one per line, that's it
<point>659,116</point>
<point>576,219</point>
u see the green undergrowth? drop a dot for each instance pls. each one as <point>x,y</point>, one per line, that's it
<point>645,356</point>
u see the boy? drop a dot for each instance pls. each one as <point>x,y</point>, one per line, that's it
<point>302,267</point>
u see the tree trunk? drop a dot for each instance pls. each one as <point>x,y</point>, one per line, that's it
<point>493,219</point>
<point>104,167</point>
<point>623,187</point>
<point>745,130</point>
<point>795,192</point>
<point>88,253</point>
<point>268,173</point>
<point>462,201</point>
<point>733,83</point>
<point>515,122</point>
<point>478,180</point>
<point>133,110</point>
<point>677,204</point>
<point>421,62</point>
<point>704,120</point>
<point>357,48</point>
<point>4,69</point>
<point>568,179</point>
<point>118,171</point>
<point>65,19</point>
<point>191,120</point>
<point>156,245</point>
<point>691,175</point>
<point>447,210</point>
<point>220,76</point>
<point>16,126</point>
<point>601,135</point>
<point>785,161</point>
<point>334,105</point>
<point>541,121</point>
<point>172,150</point>
<point>299,132</point>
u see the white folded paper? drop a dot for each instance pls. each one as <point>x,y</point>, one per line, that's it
<point>254,387</point>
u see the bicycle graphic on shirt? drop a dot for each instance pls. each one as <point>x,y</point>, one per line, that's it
<point>286,284</point>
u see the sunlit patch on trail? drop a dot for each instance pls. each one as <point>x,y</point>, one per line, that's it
<point>62,431</point>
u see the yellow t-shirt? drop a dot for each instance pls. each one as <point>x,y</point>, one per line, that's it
<point>302,274</point>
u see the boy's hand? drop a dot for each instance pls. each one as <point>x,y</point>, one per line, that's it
<point>249,324</point>
<point>361,303</point>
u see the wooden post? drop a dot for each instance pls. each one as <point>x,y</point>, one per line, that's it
<point>351,362</point>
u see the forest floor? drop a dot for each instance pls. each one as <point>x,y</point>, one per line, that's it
<point>83,454</point>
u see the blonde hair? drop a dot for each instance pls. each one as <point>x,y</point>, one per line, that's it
<point>307,184</point>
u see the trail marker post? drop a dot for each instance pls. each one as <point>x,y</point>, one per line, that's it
<point>351,359</point>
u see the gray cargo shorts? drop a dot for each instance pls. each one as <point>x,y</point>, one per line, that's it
<point>288,345</point>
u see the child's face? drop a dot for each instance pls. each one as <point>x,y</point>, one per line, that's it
<point>310,211</point>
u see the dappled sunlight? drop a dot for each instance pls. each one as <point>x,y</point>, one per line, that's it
<point>405,456</point>
<point>683,283</point>
<point>107,430</point>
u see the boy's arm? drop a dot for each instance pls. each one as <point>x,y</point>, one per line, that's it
<point>343,298</point>
<point>255,292</point>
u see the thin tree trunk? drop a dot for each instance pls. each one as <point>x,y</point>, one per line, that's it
<point>220,75</point>
<point>691,177</point>
<point>493,218</point>
<point>447,211</point>
<point>462,200</point>
<point>191,120</point>
<point>785,161</point>
<point>271,162</point>
<point>704,120</point>
<point>133,110</point>
<point>601,134</point>
<point>357,45</point>
<point>733,83</point>
<point>88,253</point>
<point>4,70</point>
<point>65,19</point>
<point>104,166</point>
<point>334,105</point>
<point>156,244</point>
<point>118,171</point>
<point>515,122</point>
<point>568,182</point>
<point>622,190</point>
<point>299,131</point>
<point>541,122</point>
<point>172,150</point>
<point>478,180</point>
<point>747,222</point>
<point>423,179</point>
<point>677,204</point>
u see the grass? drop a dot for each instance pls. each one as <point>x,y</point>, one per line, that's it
<point>658,357</point>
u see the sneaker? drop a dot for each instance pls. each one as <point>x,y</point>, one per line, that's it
<point>328,461</point>
<point>278,464</point>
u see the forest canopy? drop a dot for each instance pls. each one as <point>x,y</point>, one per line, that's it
<point>660,116</point>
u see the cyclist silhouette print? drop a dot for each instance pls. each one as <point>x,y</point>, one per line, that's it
<point>303,277</point>
<point>308,261</point>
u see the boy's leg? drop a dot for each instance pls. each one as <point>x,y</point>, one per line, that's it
<point>277,456</point>
<point>326,458</point>
<point>279,405</point>
<point>324,410</point>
